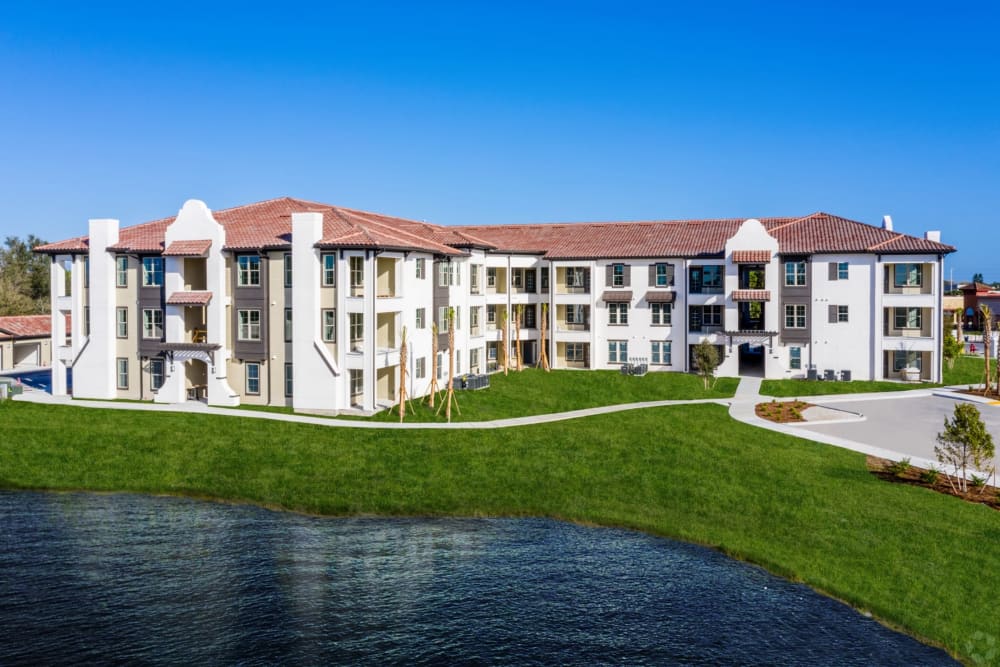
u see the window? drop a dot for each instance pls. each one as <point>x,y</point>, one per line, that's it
<point>86,320</point>
<point>288,380</point>
<point>421,368</point>
<point>152,271</point>
<point>288,325</point>
<point>329,269</point>
<point>711,277</point>
<point>841,270</point>
<point>421,318</point>
<point>474,361</point>
<point>491,315</point>
<point>248,271</point>
<point>617,351</point>
<point>330,326</point>
<point>249,324</point>
<point>491,276</point>
<point>122,374</point>
<point>440,365</point>
<point>905,359</point>
<point>704,316</point>
<point>545,277</point>
<point>121,271</point>
<point>662,313</point>
<point>795,358</point>
<point>662,277</point>
<point>155,374</point>
<point>443,319</point>
<point>474,316</point>
<point>660,352</point>
<point>253,378</point>
<point>576,276</point>
<point>618,313</point>
<point>357,272</point>
<point>357,384</point>
<point>458,362</point>
<point>152,323</point>
<point>842,313</point>
<point>908,275</point>
<point>121,317</point>
<point>86,271</point>
<point>357,327</point>
<point>907,318</point>
<point>530,321</point>
<point>517,278</point>
<point>575,314</point>
<point>795,274</point>
<point>421,268</point>
<point>447,275</point>
<point>575,352</point>
<point>287,259</point>
<point>618,275</point>
<point>474,278</point>
<point>795,316</point>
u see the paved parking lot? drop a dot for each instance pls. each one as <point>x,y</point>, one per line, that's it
<point>906,425</point>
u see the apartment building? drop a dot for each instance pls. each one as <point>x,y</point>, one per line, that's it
<point>297,303</point>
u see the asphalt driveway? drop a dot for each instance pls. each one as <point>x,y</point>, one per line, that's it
<point>906,425</point>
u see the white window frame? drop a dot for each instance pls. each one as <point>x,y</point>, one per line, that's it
<point>843,272</point>
<point>421,269</point>
<point>152,271</point>
<point>795,358</point>
<point>442,319</point>
<point>575,352</point>
<point>121,374</point>
<point>152,323</point>
<point>617,351</point>
<point>248,271</point>
<point>662,314</point>
<point>618,313</point>
<point>156,377</point>
<point>909,280</point>
<point>661,275</point>
<point>329,323</point>
<point>618,275</point>
<point>357,326</point>
<point>660,353</point>
<point>357,267</point>
<point>248,326</point>
<point>420,368</point>
<point>287,268</point>
<point>421,318</point>
<point>908,322</point>
<point>121,271</point>
<point>795,273</point>
<point>121,322</point>
<point>328,263</point>
<point>252,379</point>
<point>797,315</point>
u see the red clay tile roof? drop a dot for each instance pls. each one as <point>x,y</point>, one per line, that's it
<point>188,248</point>
<point>267,225</point>
<point>189,299</point>
<point>26,326</point>
<point>751,295</point>
<point>751,256</point>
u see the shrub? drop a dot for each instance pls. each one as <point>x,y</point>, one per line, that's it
<point>899,468</point>
<point>930,476</point>
<point>977,482</point>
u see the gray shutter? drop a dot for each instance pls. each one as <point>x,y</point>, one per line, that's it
<point>833,314</point>
<point>627,270</point>
<point>670,275</point>
<point>610,274</point>
<point>833,271</point>
<point>652,275</point>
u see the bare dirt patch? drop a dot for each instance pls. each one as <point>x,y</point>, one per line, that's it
<point>782,412</point>
<point>890,471</point>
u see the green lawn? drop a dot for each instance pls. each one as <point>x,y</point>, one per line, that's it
<point>919,560</point>
<point>535,392</point>
<point>783,388</point>
<point>967,370</point>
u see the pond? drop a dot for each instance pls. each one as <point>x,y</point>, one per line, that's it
<point>133,579</point>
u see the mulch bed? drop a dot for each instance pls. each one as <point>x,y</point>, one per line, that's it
<point>881,468</point>
<point>782,412</point>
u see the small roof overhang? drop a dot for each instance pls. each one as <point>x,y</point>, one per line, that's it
<point>660,296</point>
<point>751,256</point>
<point>189,299</point>
<point>193,248</point>
<point>617,295</point>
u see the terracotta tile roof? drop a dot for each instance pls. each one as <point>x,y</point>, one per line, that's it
<point>189,299</point>
<point>751,256</point>
<point>751,295</point>
<point>188,248</point>
<point>616,295</point>
<point>660,296</point>
<point>26,326</point>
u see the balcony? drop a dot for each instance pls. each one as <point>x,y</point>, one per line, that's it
<point>572,280</point>
<point>385,278</point>
<point>570,318</point>
<point>908,278</point>
<point>496,280</point>
<point>705,280</point>
<point>906,323</point>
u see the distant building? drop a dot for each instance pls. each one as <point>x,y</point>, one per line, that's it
<point>973,296</point>
<point>291,302</point>
<point>25,341</point>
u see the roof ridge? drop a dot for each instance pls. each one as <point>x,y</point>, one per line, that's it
<point>795,221</point>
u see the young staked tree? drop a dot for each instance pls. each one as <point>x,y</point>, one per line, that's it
<point>450,394</point>
<point>707,358</point>
<point>950,347</point>
<point>965,443</point>
<point>518,319</point>
<point>987,316</point>
<point>403,397</point>
<point>434,365</point>
<point>543,356</point>
<point>504,340</point>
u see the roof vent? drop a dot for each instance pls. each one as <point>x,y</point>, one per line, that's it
<point>934,235</point>
<point>887,222</point>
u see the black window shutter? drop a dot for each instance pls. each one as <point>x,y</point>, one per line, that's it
<point>833,314</point>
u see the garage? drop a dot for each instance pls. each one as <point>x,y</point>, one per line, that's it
<point>27,353</point>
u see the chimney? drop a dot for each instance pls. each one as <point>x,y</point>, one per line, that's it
<point>887,222</point>
<point>934,235</point>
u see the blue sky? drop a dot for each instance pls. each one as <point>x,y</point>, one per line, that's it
<point>476,113</point>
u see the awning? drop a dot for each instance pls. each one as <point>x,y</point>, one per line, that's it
<point>751,295</point>
<point>660,296</point>
<point>616,295</point>
<point>751,256</point>
<point>193,248</point>
<point>189,299</point>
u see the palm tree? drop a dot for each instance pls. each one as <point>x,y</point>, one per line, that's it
<point>987,317</point>
<point>518,316</point>
<point>543,357</point>
<point>402,376</point>
<point>504,340</point>
<point>434,364</point>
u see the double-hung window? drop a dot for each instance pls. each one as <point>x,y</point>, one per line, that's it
<point>287,266</point>
<point>491,277</point>
<point>575,314</point>
<point>421,317</point>
<point>842,271</point>
<point>420,369</point>
<point>155,374</point>
<point>329,261</point>
<point>618,275</point>
<point>905,359</point>
<point>330,326</point>
<point>152,323</point>
<point>795,316</point>
<point>575,352</point>
<point>421,268</point>
<point>289,386</point>
<point>121,271</point>
<point>576,277</point>
<point>908,275</point>
<point>121,364</point>
<point>152,271</point>
<point>795,274</point>
<point>907,318</point>
<point>252,378</point>
<point>662,276</point>
<point>842,313</point>
<point>795,358</point>
<point>617,351</point>
<point>357,265</point>
<point>357,327</point>
<point>248,271</point>
<point>121,314</point>
<point>443,319</point>
<point>288,325</point>
<point>661,314</point>
<point>248,320</point>
<point>618,313</point>
<point>660,352</point>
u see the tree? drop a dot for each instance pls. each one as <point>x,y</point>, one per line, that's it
<point>434,365</point>
<point>543,357</point>
<point>965,443</point>
<point>706,357</point>
<point>987,317</point>
<point>24,277</point>
<point>518,317</point>
<point>504,340</point>
<point>977,278</point>
<point>950,347</point>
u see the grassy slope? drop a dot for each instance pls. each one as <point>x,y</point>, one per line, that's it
<point>967,370</point>
<point>807,511</point>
